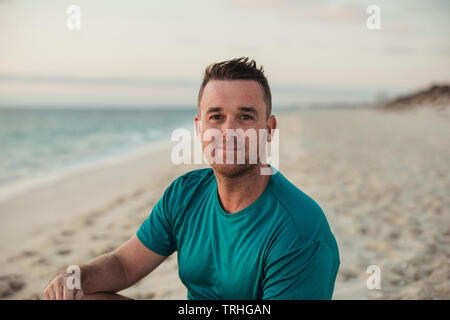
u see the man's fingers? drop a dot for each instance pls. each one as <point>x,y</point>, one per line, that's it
<point>78,294</point>
<point>46,294</point>
<point>50,293</point>
<point>68,294</point>
<point>55,288</point>
<point>58,288</point>
<point>59,291</point>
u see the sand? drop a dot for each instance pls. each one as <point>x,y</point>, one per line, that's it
<point>381,177</point>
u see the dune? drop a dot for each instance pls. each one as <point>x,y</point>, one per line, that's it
<point>436,96</point>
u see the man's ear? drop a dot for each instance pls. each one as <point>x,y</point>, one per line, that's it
<point>271,126</point>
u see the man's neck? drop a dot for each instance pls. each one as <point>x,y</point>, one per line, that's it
<point>237,193</point>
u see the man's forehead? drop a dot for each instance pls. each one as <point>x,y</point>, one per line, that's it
<point>223,93</point>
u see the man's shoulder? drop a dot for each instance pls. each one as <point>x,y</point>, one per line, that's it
<point>195,176</point>
<point>185,188</point>
<point>292,197</point>
<point>306,215</point>
<point>191,180</point>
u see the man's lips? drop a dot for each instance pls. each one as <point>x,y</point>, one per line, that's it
<point>235,148</point>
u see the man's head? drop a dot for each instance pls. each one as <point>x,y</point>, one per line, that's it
<point>238,69</point>
<point>235,94</point>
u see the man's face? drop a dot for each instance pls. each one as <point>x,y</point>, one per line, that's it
<point>232,104</point>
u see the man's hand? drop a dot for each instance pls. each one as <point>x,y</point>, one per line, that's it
<point>107,274</point>
<point>58,289</point>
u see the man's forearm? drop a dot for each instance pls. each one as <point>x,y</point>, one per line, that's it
<point>103,274</point>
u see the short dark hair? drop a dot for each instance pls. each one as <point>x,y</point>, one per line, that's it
<point>242,68</point>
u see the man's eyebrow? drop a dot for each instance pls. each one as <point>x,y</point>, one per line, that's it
<point>242,109</point>
<point>213,109</point>
<point>248,109</point>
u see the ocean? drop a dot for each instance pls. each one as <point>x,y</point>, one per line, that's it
<point>37,142</point>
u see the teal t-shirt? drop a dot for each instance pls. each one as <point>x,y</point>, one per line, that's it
<point>279,247</point>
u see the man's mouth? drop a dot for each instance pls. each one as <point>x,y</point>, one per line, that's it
<point>228,148</point>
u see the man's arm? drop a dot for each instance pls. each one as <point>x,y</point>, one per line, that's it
<point>298,272</point>
<point>108,273</point>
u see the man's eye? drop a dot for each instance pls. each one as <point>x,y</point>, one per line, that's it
<point>216,117</point>
<point>246,117</point>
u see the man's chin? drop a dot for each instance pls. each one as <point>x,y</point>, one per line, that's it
<point>232,170</point>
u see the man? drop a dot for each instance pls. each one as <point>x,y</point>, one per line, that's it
<point>239,234</point>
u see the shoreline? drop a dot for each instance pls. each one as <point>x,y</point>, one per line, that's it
<point>11,190</point>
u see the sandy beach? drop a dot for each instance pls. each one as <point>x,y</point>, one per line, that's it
<point>381,177</point>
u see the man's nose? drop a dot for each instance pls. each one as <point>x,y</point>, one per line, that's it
<point>229,124</point>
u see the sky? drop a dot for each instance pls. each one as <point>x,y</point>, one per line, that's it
<point>152,53</point>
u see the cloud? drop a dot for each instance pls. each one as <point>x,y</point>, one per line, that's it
<point>103,81</point>
<point>259,4</point>
<point>308,10</point>
<point>329,13</point>
<point>399,49</point>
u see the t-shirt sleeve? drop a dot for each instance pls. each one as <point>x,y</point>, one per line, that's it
<point>156,232</point>
<point>300,272</point>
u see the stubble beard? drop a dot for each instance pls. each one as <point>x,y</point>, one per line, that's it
<point>233,170</point>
